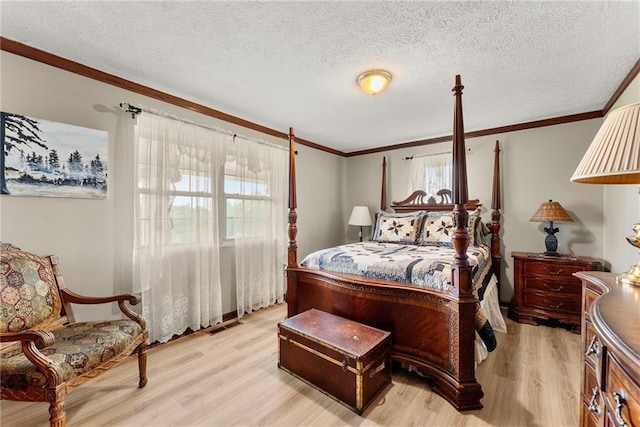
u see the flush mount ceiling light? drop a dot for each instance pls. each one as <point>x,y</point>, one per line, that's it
<point>373,81</point>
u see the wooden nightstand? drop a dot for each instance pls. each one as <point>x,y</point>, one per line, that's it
<point>545,289</point>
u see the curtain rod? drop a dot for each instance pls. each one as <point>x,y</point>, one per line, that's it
<point>139,110</point>
<point>426,155</point>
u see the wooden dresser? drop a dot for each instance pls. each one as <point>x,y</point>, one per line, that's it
<point>611,345</point>
<point>544,288</point>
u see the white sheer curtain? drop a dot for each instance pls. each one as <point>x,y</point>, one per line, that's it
<point>431,172</point>
<point>259,171</point>
<point>176,249</point>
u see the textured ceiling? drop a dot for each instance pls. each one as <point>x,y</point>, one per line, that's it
<point>282,64</point>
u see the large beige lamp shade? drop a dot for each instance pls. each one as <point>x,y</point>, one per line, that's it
<point>614,155</point>
<point>614,158</point>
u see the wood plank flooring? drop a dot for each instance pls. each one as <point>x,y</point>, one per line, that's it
<point>230,378</point>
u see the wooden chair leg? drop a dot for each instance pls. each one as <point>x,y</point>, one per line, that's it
<point>57,413</point>
<point>142,364</point>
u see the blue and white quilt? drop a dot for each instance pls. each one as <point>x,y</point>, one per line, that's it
<point>422,266</point>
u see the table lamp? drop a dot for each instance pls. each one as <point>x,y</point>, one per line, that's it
<point>614,158</point>
<point>551,211</point>
<point>360,216</point>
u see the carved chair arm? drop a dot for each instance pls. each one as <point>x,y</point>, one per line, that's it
<point>32,341</point>
<point>73,297</point>
<point>41,339</point>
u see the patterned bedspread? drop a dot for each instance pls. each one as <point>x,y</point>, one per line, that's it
<point>421,266</point>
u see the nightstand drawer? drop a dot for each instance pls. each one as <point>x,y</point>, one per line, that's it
<point>548,269</point>
<point>547,301</point>
<point>557,287</point>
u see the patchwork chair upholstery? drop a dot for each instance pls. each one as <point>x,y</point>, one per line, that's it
<point>45,353</point>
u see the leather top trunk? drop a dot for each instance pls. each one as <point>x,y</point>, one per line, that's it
<point>346,360</point>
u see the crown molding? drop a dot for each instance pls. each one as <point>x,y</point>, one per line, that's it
<point>56,61</point>
<point>47,58</point>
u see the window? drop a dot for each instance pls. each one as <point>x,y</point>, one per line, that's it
<point>431,173</point>
<point>247,201</point>
<point>188,195</point>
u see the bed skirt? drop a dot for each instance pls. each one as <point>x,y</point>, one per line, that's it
<point>490,305</point>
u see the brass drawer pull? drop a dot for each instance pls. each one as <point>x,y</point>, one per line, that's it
<point>593,405</point>
<point>553,305</point>
<point>553,272</point>
<point>593,348</point>
<point>558,289</point>
<point>621,398</point>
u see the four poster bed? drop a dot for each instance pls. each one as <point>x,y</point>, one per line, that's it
<point>431,314</point>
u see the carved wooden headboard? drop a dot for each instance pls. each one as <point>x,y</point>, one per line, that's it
<point>418,201</point>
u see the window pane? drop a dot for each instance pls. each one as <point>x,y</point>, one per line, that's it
<point>193,182</point>
<point>250,186</point>
<point>247,217</point>
<point>191,219</point>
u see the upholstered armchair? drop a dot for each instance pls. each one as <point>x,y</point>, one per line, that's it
<point>45,353</point>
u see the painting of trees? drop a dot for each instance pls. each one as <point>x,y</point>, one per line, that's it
<point>17,133</point>
<point>45,158</point>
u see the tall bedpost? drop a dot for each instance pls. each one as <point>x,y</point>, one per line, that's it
<point>292,249</point>
<point>460,195</point>
<point>494,226</point>
<point>292,254</point>
<point>383,192</point>
<point>462,323</point>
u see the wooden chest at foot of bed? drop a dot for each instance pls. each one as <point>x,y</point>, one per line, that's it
<point>346,360</point>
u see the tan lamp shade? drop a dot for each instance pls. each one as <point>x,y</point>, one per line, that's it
<point>614,154</point>
<point>551,212</point>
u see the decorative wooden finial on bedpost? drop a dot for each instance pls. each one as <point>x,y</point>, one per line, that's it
<point>383,192</point>
<point>292,249</point>
<point>494,226</point>
<point>460,194</point>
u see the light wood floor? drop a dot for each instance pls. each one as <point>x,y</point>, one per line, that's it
<point>231,378</point>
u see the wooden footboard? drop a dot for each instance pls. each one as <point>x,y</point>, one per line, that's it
<point>429,329</point>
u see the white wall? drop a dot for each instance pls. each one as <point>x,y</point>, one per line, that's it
<point>536,165</point>
<point>94,237</point>
<point>621,206</point>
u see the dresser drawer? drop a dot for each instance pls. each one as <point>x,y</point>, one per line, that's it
<point>553,286</point>
<point>550,302</point>
<point>592,347</point>
<point>619,382</point>
<point>589,297</point>
<point>590,419</point>
<point>547,269</point>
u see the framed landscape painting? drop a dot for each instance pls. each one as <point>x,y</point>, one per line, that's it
<point>51,159</point>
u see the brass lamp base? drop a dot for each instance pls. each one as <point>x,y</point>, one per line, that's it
<point>631,277</point>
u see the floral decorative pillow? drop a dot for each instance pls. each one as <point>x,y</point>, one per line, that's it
<point>393,228</point>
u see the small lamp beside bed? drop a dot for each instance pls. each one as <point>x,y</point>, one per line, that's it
<point>361,217</point>
<point>551,212</point>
